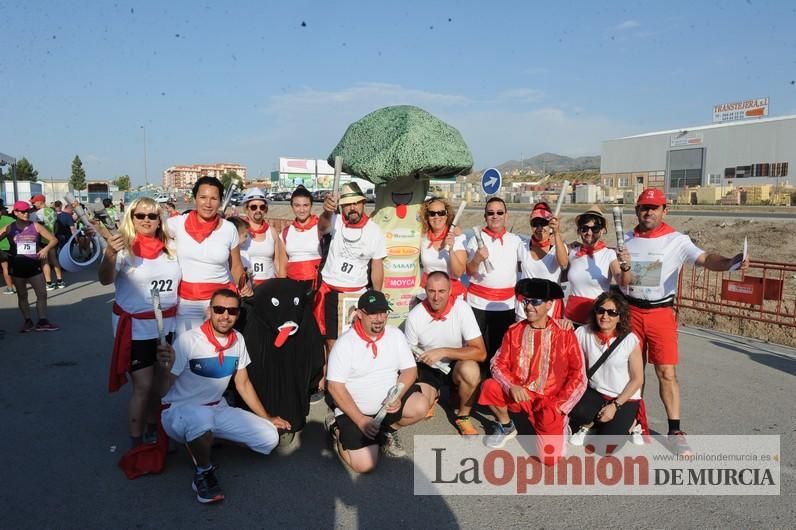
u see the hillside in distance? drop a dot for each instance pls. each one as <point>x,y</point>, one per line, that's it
<point>551,162</point>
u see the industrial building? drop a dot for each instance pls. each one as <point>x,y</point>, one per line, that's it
<point>730,156</point>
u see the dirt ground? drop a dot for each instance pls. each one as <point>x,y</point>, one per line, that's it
<point>771,241</point>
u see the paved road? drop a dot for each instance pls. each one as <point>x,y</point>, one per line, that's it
<point>60,429</point>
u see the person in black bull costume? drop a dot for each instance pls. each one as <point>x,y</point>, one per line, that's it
<point>285,347</point>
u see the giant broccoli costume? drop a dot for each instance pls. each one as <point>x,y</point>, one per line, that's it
<point>399,149</point>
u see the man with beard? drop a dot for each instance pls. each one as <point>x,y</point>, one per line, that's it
<point>444,328</point>
<point>657,253</point>
<point>357,242</point>
<point>192,377</point>
<point>260,249</point>
<point>367,361</point>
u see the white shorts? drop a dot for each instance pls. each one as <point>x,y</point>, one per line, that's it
<point>185,423</point>
<point>191,314</point>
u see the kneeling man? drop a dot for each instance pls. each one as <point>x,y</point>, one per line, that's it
<point>538,370</point>
<point>195,374</point>
<point>445,329</point>
<point>364,364</point>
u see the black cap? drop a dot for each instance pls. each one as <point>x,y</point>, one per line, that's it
<point>373,302</point>
<point>538,288</point>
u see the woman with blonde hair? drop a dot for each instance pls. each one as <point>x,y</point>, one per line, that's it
<point>137,261</point>
<point>442,249</point>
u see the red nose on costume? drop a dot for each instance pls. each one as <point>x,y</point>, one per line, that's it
<point>400,211</point>
<point>285,330</point>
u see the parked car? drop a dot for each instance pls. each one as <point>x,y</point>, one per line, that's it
<point>162,198</point>
<point>370,195</point>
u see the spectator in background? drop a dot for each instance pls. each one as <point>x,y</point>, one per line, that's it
<point>47,216</point>
<point>5,246</point>
<point>64,225</point>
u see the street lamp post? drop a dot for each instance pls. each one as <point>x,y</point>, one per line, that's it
<point>146,174</point>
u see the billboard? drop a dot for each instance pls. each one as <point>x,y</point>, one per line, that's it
<point>740,110</point>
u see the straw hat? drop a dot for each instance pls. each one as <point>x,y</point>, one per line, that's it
<point>593,210</point>
<point>350,193</point>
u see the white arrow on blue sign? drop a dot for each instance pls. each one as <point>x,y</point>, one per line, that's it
<point>491,181</point>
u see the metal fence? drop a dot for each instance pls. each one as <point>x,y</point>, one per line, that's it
<point>766,292</point>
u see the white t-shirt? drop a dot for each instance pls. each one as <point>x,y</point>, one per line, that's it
<point>432,259</point>
<point>208,261</point>
<point>612,377</point>
<point>458,327</point>
<point>546,268</point>
<point>589,277</point>
<point>350,252</point>
<point>259,256</point>
<point>656,263</point>
<point>301,245</point>
<point>135,277</point>
<point>504,260</point>
<point>201,379</point>
<point>366,378</point>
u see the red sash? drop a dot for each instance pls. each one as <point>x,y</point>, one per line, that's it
<point>492,294</point>
<point>320,301</point>
<point>583,250</point>
<point>303,270</point>
<point>201,291</point>
<point>457,287</point>
<point>579,308</point>
<point>122,343</point>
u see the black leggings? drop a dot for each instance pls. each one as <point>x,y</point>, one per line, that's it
<point>590,404</point>
<point>493,325</point>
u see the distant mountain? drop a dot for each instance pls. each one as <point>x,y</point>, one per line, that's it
<point>547,162</point>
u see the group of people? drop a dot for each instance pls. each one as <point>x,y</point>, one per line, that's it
<point>507,344</point>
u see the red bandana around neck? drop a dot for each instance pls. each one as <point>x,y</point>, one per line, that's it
<point>661,230</point>
<point>311,221</point>
<point>199,229</point>
<point>360,224</point>
<point>207,329</point>
<point>257,231</point>
<point>442,315</point>
<point>364,336</point>
<point>589,251</point>
<point>495,235</point>
<point>605,338</point>
<point>147,247</point>
<point>536,243</point>
<point>433,238</point>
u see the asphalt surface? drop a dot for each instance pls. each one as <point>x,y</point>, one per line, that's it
<point>63,435</point>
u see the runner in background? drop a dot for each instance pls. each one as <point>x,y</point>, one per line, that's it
<point>25,260</point>
<point>47,217</point>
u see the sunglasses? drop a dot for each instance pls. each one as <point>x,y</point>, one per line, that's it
<point>437,213</point>
<point>593,229</point>
<point>221,309</point>
<point>255,207</point>
<point>602,311</point>
<point>536,302</point>
<point>150,216</point>
<point>536,223</point>
<point>494,213</point>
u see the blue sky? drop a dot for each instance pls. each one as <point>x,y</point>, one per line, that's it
<point>247,82</point>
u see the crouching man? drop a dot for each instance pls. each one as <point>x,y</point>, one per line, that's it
<point>364,364</point>
<point>193,376</point>
<point>538,370</point>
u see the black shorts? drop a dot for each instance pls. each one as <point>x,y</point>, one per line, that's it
<point>330,314</point>
<point>433,377</point>
<point>143,353</point>
<point>352,438</point>
<point>22,267</point>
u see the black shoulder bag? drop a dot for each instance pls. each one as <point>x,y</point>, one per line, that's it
<point>604,357</point>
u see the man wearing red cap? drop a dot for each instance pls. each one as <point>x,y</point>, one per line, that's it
<point>657,253</point>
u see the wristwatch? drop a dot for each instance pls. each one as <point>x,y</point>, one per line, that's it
<point>616,404</point>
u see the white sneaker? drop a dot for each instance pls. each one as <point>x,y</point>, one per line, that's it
<point>636,435</point>
<point>579,437</point>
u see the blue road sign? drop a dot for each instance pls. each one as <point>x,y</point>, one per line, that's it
<point>491,181</point>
